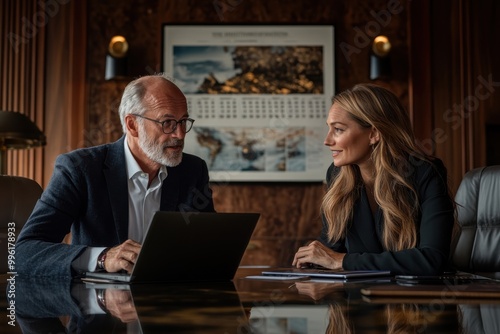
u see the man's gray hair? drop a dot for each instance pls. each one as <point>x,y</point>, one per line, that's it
<point>132,98</point>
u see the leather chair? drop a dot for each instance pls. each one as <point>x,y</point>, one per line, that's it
<point>18,196</point>
<point>477,245</point>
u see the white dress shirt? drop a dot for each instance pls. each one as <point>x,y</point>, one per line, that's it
<point>143,201</point>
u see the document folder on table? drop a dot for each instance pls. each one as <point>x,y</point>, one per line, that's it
<point>327,273</point>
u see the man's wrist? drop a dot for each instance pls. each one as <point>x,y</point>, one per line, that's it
<point>101,299</point>
<point>101,259</point>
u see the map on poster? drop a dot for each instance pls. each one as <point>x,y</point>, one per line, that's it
<point>259,96</point>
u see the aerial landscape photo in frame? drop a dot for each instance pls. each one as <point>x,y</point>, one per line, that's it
<point>259,95</point>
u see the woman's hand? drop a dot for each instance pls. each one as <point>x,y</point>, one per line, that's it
<point>317,290</point>
<point>318,254</point>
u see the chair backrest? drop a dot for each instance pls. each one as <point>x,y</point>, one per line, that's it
<point>18,196</point>
<point>477,246</point>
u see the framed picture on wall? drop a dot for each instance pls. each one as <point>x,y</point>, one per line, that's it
<point>259,94</point>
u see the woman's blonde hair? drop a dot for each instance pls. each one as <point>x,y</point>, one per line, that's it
<point>338,320</point>
<point>405,319</point>
<point>394,160</point>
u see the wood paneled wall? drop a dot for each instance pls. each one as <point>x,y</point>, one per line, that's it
<point>44,78</point>
<point>22,50</point>
<point>454,81</point>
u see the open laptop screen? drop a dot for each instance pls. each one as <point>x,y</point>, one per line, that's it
<point>181,247</point>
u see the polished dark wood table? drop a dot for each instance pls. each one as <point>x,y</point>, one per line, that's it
<point>60,305</point>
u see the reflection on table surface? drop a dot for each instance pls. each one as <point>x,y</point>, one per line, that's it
<point>60,305</point>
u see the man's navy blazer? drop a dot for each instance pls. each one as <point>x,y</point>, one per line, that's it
<point>88,196</point>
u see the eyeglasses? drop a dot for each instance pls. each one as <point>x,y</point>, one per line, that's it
<point>170,125</point>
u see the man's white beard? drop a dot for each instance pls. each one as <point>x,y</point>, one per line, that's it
<point>159,153</point>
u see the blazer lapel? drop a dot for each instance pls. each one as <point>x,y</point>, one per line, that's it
<point>116,178</point>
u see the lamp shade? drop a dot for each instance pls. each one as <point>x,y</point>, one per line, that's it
<point>17,131</point>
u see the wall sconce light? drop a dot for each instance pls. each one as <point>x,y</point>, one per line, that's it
<point>116,58</point>
<point>17,131</point>
<point>380,65</point>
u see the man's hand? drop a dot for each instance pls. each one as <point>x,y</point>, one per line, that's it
<point>119,303</point>
<point>122,257</point>
<point>319,254</point>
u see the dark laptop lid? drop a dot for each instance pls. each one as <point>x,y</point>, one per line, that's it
<point>192,247</point>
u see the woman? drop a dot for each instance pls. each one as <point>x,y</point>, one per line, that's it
<point>388,206</point>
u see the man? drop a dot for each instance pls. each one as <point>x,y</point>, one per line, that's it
<point>106,195</point>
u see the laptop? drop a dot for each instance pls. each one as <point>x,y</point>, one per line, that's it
<point>326,273</point>
<point>189,247</point>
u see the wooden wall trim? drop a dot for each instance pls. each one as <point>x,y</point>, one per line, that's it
<point>65,82</point>
<point>419,79</point>
<point>78,81</point>
<point>463,28</point>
